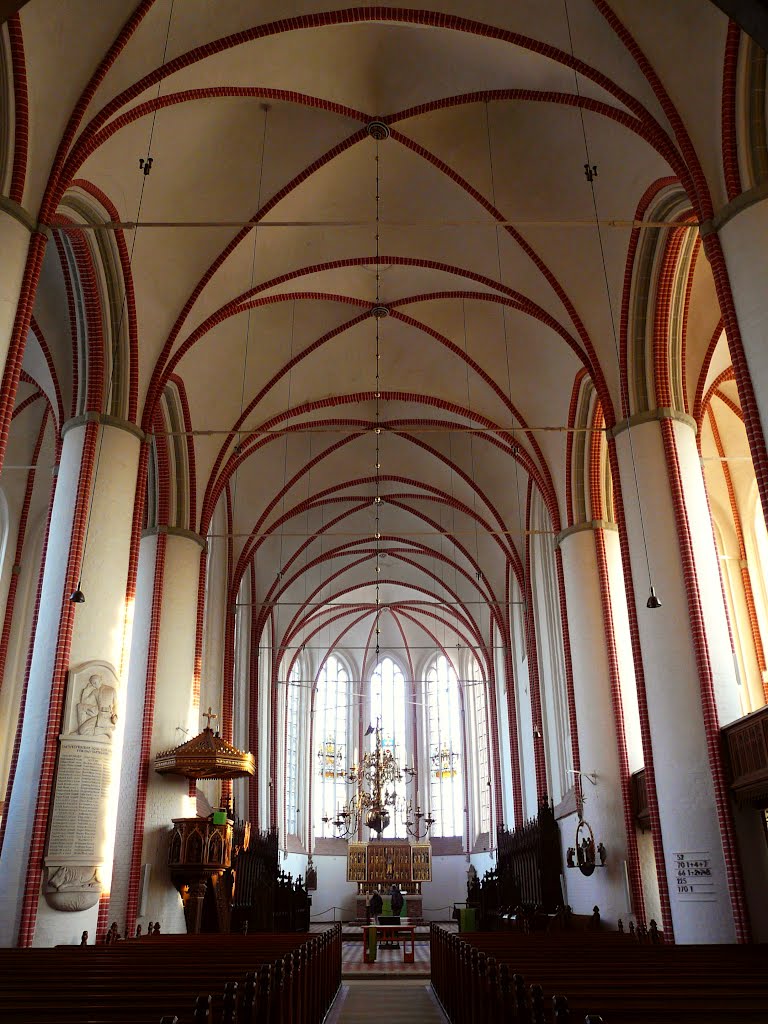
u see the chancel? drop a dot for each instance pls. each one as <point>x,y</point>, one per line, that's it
<point>383,500</point>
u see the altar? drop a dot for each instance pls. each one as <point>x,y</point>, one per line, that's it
<point>382,863</point>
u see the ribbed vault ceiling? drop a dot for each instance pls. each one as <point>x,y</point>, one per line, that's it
<point>247,117</point>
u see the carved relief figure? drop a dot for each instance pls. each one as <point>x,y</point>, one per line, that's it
<point>97,709</point>
<point>74,878</point>
<point>72,888</point>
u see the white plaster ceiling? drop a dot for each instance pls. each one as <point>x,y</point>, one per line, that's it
<point>223,157</point>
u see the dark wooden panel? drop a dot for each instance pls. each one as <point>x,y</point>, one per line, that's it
<point>746,748</point>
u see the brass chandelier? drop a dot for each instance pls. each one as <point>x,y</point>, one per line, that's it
<point>375,796</point>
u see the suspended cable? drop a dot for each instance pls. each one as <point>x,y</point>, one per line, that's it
<point>307,428</point>
<point>77,596</point>
<point>523,586</point>
<point>590,170</point>
<point>285,450</point>
<point>471,440</point>
<point>404,534</point>
<point>627,224</point>
<point>377,394</point>
<point>265,108</point>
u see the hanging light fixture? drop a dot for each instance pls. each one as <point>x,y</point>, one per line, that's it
<point>378,772</point>
<point>376,798</point>
<point>378,131</point>
<point>653,601</point>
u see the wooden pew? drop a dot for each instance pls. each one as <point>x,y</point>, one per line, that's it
<point>272,978</point>
<point>485,976</point>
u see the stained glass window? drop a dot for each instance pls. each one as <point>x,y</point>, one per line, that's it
<point>331,718</point>
<point>388,703</point>
<point>478,689</point>
<point>443,720</point>
<point>293,706</point>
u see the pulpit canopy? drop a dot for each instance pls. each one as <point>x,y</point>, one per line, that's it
<point>206,756</point>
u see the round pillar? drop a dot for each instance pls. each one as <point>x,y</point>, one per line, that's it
<point>69,760</point>
<point>14,244</point>
<point>163,715</point>
<point>602,739</point>
<point>743,240</point>
<point>689,670</point>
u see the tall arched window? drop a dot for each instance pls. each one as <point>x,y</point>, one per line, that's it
<point>446,777</point>
<point>388,703</point>
<point>481,760</point>
<point>292,710</point>
<point>331,719</point>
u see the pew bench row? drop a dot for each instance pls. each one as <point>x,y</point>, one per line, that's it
<point>536,979</point>
<point>269,978</point>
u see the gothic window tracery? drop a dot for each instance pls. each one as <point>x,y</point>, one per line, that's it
<point>293,707</point>
<point>332,746</point>
<point>390,704</point>
<point>444,748</point>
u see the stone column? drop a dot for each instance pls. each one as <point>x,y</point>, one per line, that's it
<point>742,238</point>
<point>602,739</point>
<point>162,716</point>
<point>15,231</point>
<point>688,666</point>
<point>70,755</point>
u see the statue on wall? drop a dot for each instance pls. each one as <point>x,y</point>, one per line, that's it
<point>97,708</point>
<point>471,879</point>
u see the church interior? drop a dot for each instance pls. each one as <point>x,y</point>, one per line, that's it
<point>383,491</point>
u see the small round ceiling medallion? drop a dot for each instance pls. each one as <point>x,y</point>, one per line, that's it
<point>380,311</point>
<point>378,130</point>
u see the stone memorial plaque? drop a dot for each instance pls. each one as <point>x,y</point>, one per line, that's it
<point>82,788</point>
<point>80,812</point>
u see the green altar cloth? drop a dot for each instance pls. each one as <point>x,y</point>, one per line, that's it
<point>467,919</point>
<point>371,944</point>
<point>386,908</point>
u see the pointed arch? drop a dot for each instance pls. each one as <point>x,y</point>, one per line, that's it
<point>653,346</point>
<point>97,266</point>
<point>750,115</point>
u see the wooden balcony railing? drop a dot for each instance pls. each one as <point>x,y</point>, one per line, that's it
<point>746,755</point>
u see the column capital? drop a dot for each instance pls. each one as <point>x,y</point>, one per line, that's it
<point>17,211</point>
<point>590,524</point>
<point>651,416</point>
<point>732,209</point>
<point>106,420</point>
<point>176,531</point>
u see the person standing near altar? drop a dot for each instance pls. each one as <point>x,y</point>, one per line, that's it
<point>396,898</point>
<point>375,906</point>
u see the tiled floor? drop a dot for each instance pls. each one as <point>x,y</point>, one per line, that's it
<point>389,962</point>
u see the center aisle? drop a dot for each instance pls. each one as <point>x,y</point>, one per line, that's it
<point>397,1002</point>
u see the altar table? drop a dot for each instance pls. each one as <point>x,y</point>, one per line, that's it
<point>391,933</point>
